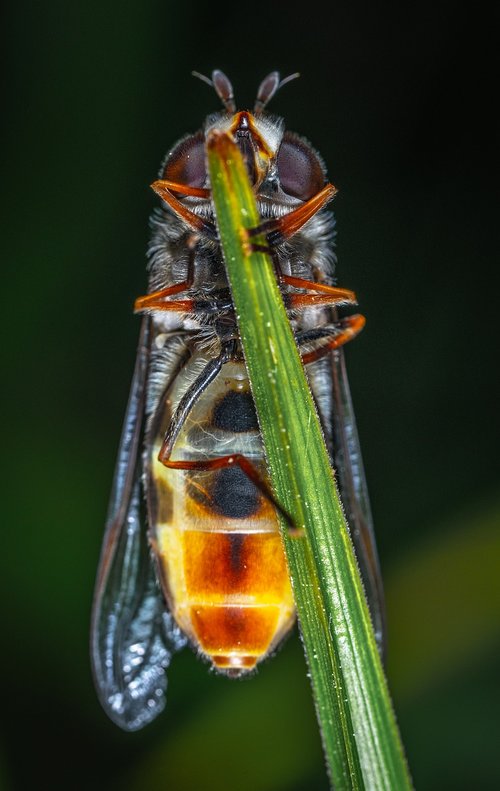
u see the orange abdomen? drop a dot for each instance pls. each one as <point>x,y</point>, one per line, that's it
<point>217,539</point>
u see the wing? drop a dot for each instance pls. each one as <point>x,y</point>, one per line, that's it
<point>348,463</point>
<point>132,636</point>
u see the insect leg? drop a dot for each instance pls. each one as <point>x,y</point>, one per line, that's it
<point>300,301</point>
<point>166,189</point>
<point>200,384</point>
<point>337,295</point>
<point>329,338</point>
<point>246,466</point>
<point>279,228</point>
<point>340,295</point>
<point>208,374</point>
<point>155,298</point>
<point>183,189</point>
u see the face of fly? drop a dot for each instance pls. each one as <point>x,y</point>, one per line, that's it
<point>283,167</point>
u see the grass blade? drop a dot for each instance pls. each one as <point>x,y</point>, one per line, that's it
<point>358,727</point>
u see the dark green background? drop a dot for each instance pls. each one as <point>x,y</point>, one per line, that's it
<point>397,100</point>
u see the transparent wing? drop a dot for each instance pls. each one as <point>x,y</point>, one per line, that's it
<point>348,464</point>
<point>132,636</point>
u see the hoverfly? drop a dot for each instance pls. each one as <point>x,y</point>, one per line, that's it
<point>192,550</point>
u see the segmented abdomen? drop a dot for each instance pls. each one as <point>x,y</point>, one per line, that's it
<point>216,536</point>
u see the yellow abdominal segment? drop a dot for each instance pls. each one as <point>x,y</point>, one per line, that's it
<point>217,539</point>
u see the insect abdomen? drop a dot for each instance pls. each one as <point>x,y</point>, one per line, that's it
<point>230,591</point>
<point>217,537</point>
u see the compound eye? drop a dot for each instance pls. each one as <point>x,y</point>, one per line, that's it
<point>186,162</point>
<point>300,170</point>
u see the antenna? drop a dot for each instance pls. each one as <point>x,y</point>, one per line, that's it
<point>268,88</point>
<point>222,87</point>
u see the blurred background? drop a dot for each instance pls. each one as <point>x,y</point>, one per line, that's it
<point>397,100</point>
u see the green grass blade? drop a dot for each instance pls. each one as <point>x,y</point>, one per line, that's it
<point>357,723</point>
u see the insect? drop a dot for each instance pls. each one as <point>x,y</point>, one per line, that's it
<point>192,550</point>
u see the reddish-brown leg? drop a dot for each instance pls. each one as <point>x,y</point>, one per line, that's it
<point>183,189</point>
<point>337,295</point>
<point>165,189</point>
<point>176,305</point>
<point>340,294</point>
<point>155,300</point>
<point>349,328</point>
<point>221,462</point>
<point>283,227</point>
<point>300,301</point>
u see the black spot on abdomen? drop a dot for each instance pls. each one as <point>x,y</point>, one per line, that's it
<point>234,495</point>
<point>235,412</point>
